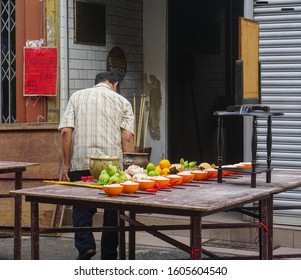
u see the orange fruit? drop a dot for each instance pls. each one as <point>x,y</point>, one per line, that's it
<point>158,168</point>
<point>165,171</point>
<point>205,165</point>
<point>164,163</point>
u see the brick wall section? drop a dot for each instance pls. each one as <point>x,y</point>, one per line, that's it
<point>124,29</point>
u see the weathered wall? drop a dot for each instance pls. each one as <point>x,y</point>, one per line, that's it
<point>155,75</point>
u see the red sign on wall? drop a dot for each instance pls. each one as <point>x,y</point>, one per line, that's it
<point>40,71</point>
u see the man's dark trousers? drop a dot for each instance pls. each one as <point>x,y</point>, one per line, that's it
<point>83,217</point>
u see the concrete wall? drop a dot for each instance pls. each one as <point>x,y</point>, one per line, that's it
<point>155,75</point>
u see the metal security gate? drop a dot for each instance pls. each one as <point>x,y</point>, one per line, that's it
<point>8,62</point>
<point>280,57</point>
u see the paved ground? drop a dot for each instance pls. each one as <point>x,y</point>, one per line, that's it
<point>62,248</point>
<point>148,248</point>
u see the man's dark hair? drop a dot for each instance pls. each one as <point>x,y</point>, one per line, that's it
<point>112,77</point>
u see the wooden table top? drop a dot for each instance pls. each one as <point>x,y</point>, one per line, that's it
<point>196,197</point>
<point>14,164</point>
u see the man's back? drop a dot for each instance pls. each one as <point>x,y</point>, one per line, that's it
<point>97,115</point>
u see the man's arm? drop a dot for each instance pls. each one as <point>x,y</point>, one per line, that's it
<point>66,141</point>
<point>127,141</point>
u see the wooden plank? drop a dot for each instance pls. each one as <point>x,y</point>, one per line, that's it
<point>32,145</point>
<point>249,54</point>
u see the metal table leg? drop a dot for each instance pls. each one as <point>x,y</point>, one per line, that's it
<point>196,237</point>
<point>132,238</point>
<point>35,245</point>
<point>254,152</point>
<point>220,145</point>
<point>121,235</point>
<point>270,224</point>
<point>266,228</point>
<point>269,150</point>
<point>18,217</point>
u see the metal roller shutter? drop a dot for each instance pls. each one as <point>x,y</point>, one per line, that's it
<point>280,57</point>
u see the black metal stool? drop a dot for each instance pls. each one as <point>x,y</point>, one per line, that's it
<point>254,111</point>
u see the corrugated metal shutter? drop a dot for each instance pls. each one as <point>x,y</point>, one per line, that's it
<point>280,57</point>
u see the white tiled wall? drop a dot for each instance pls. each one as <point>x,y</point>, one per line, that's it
<point>124,29</point>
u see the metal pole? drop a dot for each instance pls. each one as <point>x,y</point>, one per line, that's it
<point>1,94</point>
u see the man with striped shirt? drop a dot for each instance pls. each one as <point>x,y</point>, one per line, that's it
<point>97,122</point>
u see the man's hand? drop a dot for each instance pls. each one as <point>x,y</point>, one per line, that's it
<point>65,172</point>
<point>127,141</point>
<point>66,141</point>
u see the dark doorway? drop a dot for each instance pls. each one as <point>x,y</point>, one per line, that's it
<point>203,47</point>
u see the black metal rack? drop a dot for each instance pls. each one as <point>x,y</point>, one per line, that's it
<point>254,111</point>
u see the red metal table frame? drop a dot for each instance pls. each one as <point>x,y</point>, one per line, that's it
<point>193,202</point>
<point>18,168</point>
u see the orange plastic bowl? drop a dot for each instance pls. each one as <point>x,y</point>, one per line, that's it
<point>212,173</point>
<point>130,186</point>
<point>199,175</point>
<point>186,177</point>
<point>161,181</point>
<point>113,189</point>
<point>247,164</point>
<point>174,179</point>
<point>145,184</point>
<point>240,165</point>
<point>228,172</point>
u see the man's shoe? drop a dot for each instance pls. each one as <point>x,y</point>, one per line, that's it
<point>87,255</point>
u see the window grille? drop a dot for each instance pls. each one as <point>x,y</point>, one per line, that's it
<point>8,61</point>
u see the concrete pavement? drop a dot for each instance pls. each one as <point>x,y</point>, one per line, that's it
<point>148,248</point>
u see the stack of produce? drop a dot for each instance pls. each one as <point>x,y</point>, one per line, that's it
<point>112,175</point>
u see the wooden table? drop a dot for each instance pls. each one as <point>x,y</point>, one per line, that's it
<point>194,201</point>
<point>18,168</point>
